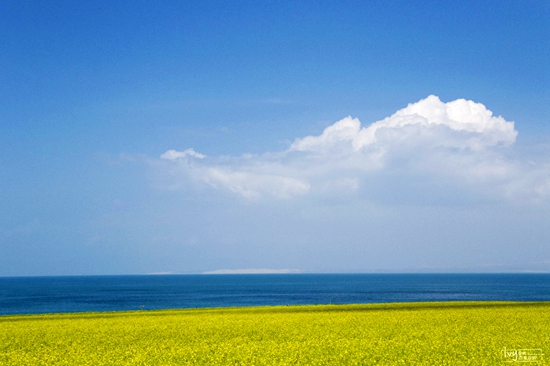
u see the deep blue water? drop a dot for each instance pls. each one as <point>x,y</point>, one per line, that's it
<point>27,295</point>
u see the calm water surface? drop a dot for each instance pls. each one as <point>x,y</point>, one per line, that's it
<point>27,295</point>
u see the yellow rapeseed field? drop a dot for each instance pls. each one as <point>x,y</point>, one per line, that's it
<point>451,333</point>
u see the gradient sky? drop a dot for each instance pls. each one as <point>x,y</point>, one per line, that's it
<point>185,137</point>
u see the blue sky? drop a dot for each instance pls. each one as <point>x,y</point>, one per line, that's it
<point>95,96</point>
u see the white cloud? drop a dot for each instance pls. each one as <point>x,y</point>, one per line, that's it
<point>254,184</point>
<point>460,115</point>
<point>426,144</point>
<point>173,154</point>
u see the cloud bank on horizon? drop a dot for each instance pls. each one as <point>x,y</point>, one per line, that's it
<point>253,271</point>
<point>425,145</point>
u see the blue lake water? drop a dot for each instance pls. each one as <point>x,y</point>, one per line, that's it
<point>27,295</point>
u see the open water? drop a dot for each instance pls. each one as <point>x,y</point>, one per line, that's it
<point>28,295</point>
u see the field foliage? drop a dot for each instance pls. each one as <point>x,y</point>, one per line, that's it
<point>385,334</point>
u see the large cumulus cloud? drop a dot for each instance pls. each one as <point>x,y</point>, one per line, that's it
<point>468,125</point>
<point>430,144</point>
